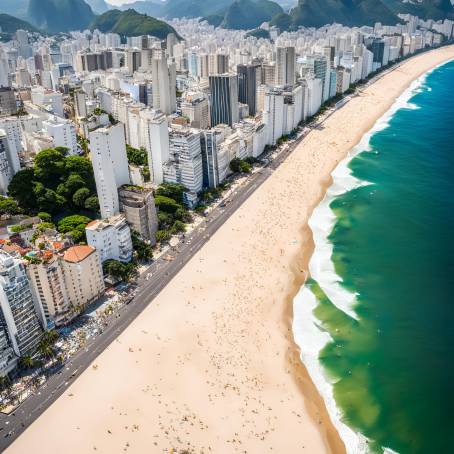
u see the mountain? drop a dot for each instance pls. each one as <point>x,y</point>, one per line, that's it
<point>316,13</point>
<point>60,15</point>
<point>426,9</point>
<point>98,6</point>
<point>10,24</point>
<point>131,23</point>
<point>171,9</point>
<point>249,14</point>
<point>17,8</point>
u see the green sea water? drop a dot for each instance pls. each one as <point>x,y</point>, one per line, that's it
<point>392,364</point>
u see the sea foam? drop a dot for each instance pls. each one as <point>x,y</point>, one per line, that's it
<point>308,334</point>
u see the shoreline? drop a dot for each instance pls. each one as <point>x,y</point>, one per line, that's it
<point>222,327</point>
<point>308,236</point>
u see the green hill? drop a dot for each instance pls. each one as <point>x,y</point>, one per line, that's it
<point>60,15</point>
<point>316,13</point>
<point>249,14</point>
<point>98,6</point>
<point>10,24</point>
<point>131,23</point>
<point>426,9</point>
<point>259,33</point>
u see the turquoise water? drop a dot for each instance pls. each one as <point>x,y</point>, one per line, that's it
<point>393,245</point>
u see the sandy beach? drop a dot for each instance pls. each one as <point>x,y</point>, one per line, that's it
<point>210,365</point>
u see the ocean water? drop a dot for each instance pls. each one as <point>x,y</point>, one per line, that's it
<point>375,322</point>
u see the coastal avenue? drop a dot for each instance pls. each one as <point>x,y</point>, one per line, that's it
<point>160,273</point>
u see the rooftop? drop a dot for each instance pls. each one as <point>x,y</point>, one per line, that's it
<point>76,254</point>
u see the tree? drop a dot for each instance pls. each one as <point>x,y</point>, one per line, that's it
<point>173,191</point>
<point>8,206</point>
<point>136,156</point>
<point>47,199</point>
<point>27,362</point>
<point>166,204</point>
<point>178,227</point>
<point>92,203</point>
<point>119,270</point>
<point>20,188</point>
<point>163,235</point>
<point>45,349</point>
<point>45,217</point>
<point>51,336</point>
<point>80,196</point>
<point>73,183</point>
<point>82,167</point>
<point>235,165</point>
<point>49,167</point>
<point>143,250</point>
<point>70,223</point>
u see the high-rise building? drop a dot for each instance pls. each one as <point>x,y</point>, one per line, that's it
<point>111,238</point>
<point>154,130</point>
<point>218,64</point>
<point>224,99</point>
<point>20,313</point>
<point>48,284</point>
<point>83,275</point>
<point>8,105</point>
<point>9,162</point>
<point>215,164</point>
<point>195,108</point>
<point>185,162</point>
<point>164,83</point>
<point>285,66</point>
<point>110,166</point>
<point>249,77</point>
<point>273,114</point>
<point>138,206</point>
<point>63,132</point>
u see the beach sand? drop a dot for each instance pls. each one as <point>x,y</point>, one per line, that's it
<point>210,365</point>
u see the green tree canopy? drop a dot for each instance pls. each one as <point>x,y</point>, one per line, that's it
<point>173,191</point>
<point>167,204</point>
<point>20,188</point>
<point>8,206</point>
<point>49,166</point>
<point>72,222</point>
<point>92,203</point>
<point>80,196</point>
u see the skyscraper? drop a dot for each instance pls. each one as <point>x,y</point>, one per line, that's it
<point>248,79</point>
<point>164,83</point>
<point>19,311</point>
<point>285,66</point>
<point>155,138</point>
<point>110,166</point>
<point>9,162</point>
<point>224,99</point>
<point>185,162</point>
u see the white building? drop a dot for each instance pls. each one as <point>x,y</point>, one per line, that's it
<point>21,313</point>
<point>9,162</point>
<point>154,131</point>
<point>111,238</point>
<point>185,162</point>
<point>110,166</point>
<point>164,83</point>
<point>273,114</point>
<point>63,132</point>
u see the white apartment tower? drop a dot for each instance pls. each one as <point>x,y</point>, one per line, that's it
<point>185,163</point>
<point>155,138</point>
<point>111,238</point>
<point>20,313</point>
<point>164,83</point>
<point>9,162</point>
<point>110,166</point>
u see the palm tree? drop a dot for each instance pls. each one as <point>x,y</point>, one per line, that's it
<point>27,362</point>
<point>50,336</point>
<point>45,349</point>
